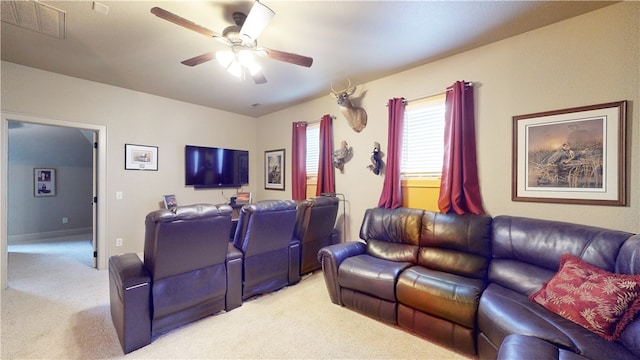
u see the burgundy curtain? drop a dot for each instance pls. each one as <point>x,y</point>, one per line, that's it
<point>299,161</point>
<point>326,179</point>
<point>459,187</point>
<point>391,196</point>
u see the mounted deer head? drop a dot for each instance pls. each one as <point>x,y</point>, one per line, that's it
<point>356,116</point>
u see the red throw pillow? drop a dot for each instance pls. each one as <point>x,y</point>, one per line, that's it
<point>594,298</point>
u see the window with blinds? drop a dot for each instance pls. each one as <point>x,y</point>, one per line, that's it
<point>423,138</point>
<point>313,148</point>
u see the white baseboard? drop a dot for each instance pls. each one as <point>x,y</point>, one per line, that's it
<point>36,237</point>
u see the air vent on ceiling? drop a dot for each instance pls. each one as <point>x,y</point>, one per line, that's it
<point>35,16</point>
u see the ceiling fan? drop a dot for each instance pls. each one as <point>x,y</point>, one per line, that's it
<point>241,39</point>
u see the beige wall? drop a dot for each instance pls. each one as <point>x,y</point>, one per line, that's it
<point>590,59</point>
<point>586,60</point>
<point>135,118</point>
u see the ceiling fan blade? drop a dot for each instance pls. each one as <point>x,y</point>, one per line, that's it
<point>199,59</point>
<point>171,17</point>
<point>258,19</point>
<point>289,57</point>
<point>259,78</point>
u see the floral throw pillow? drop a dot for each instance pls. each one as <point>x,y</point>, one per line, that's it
<point>596,299</point>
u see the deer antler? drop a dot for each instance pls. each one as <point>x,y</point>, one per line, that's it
<point>346,90</point>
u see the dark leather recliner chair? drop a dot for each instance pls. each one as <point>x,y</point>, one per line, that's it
<point>315,227</point>
<point>190,271</point>
<point>271,254</point>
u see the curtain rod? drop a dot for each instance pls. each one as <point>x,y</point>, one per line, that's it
<point>466,84</point>
<point>333,117</point>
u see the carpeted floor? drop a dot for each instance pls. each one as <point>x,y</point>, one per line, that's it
<point>57,307</point>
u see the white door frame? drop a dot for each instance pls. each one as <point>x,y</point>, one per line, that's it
<point>101,179</point>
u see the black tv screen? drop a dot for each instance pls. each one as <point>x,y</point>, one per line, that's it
<point>209,167</point>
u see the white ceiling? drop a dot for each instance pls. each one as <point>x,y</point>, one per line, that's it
<point>361,40</point>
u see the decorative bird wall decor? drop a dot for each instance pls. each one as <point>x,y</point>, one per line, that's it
<point>376,161</point>
<point>342,155</point>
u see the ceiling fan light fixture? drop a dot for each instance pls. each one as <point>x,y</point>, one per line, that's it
<point>235,69</point>
<point>258,19</point>
<point>225,58</point>
<point>239,37</point>
<point>254,69</point>
<point>236,61</point>
<point>246,58</point>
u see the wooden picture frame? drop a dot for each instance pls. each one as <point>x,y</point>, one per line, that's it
<point>274,169</point>
<point>571,156</point>
<point>140,157</point>
<point>44,182</point>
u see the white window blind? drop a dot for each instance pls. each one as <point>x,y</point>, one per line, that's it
<point>313,148</point>
<point>423,137</point>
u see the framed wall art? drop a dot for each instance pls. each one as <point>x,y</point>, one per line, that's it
<point>140,157</point>
<point>170,201</point>
<point>243,198</point>
<point>44,182</point>
<point>574,156</point>
<point>274,169</point>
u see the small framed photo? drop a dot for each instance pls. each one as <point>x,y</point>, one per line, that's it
<point>44,182</point>
<point>274,169</point>
<point>571,156</point>
<point>140,157</point>
<point>170,201</point>
<point>243,198</point>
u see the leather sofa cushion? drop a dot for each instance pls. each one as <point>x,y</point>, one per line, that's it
<point>447,296</point>
<point>374,307</point>
<point>518,346</point>
<point>627,261</point>
<point>401,225</point>
<point>518,276</point>
<point>392,251</point>
<point>454,262</point>
<point>370,275</point>
<point>457,244</point>
<point>503,312</point>
<point>467,233</point>
<point>543,242</point>
<point>527,252</point>
<point>631,337</point>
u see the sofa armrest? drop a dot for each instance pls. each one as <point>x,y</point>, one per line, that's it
<point>335,236</point>
<point>130,298</point>
<point>128,271</point>
<point>234,278</point>
<point>516,346</point>
<point>294,261</point>
<point>330,258</point>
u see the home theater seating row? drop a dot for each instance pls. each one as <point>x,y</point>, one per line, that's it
<point>465,281</point>
<point>191,269</point>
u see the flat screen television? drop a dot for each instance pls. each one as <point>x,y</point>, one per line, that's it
<point>209,167</point>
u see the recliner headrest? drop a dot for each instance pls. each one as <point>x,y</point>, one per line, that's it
<point>320,201</point>
<point>269,205</point>
<point>189,212</point>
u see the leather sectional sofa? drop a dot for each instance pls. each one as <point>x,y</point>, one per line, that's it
<point>476,283</point>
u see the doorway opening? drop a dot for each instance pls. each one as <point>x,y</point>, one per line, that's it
<point>69,209</point>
